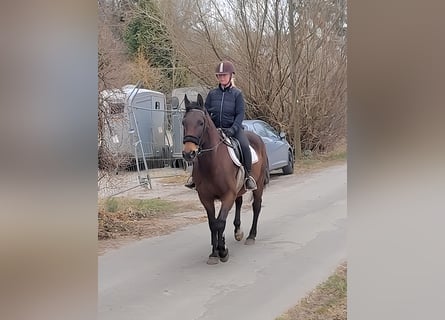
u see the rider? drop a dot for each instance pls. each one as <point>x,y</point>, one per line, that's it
<point>225,105</point>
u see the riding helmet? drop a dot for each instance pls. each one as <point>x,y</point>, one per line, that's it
<point>225,67</point>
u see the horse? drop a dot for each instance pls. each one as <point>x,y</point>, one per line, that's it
<point>217,177</point>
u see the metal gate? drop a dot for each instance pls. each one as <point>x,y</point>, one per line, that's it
<point>149,134</point>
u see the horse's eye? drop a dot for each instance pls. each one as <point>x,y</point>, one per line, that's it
<point>201,123</point>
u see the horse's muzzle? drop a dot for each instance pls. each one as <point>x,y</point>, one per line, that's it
<point>189,151</point>
<point>189,156</point>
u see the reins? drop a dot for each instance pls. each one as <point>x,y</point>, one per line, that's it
<point>200,151</point>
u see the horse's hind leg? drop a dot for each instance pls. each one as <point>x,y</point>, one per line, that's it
<point>256,206</point>
<point>237,221</point>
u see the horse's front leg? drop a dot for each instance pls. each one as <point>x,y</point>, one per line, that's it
<point>226,205</point>
<point>237,221</point>
<point>209,205</point>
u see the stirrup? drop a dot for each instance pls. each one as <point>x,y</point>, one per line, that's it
<point>250,183</point>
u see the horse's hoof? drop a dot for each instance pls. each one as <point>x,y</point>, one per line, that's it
<point>225,257</point>
<point>249,241</point>
<point>239,235</point>
<point>213,260</point>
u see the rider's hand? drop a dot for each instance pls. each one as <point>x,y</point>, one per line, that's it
<point>229,132</point>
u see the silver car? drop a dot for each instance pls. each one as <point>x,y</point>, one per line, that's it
<point>279,152</point>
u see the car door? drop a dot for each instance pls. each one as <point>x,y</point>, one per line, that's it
<point>277,149</point>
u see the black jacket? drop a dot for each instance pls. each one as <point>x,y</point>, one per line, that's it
<point>226,107</point>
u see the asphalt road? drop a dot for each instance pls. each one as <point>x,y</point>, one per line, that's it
<point>301,239</point>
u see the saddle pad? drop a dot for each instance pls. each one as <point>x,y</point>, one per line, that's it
<point>236,160</point>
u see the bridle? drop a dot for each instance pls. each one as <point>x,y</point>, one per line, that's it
<point>198,140</point>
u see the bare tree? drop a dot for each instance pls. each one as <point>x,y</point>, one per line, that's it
<point>322,73</point>
<point>111,74</point>
<point>254,35</point>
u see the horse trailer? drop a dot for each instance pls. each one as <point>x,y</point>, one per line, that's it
<point>135,123</point>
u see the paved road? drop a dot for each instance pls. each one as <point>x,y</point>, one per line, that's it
<point>301,239</point>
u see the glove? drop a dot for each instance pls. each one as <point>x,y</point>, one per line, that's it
<point>229,132</point>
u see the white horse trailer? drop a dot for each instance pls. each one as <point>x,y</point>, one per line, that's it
<point>136,122</point>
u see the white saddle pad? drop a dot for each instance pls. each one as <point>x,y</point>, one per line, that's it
<point>235,159</point>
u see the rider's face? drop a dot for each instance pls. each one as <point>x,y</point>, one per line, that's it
<point>223,79</point>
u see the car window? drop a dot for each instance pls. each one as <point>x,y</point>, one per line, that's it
<point>271,132</point>
<point>260,130</point>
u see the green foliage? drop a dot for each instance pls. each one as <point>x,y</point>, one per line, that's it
<point>147,33</point>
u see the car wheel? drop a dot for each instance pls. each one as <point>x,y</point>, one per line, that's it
<point>289,169</point>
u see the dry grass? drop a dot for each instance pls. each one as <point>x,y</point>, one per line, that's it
<point>178,179</point>
<point>326,302</point>
<point>312,162</point>
<point>122,217</point>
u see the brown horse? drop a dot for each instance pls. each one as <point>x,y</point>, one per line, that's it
<point>217,177</point>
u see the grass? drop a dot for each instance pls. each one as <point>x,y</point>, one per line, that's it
<point>120,216</point>
<point>310,161</point>
<point>143,206</point>
<point>326,302</point>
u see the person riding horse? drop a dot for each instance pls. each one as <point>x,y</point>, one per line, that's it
<point>225,104</point>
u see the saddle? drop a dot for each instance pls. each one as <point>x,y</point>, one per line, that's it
<point>236,152</point>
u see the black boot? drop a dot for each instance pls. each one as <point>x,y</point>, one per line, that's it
<point>250,182</point>
<point>190,183</point>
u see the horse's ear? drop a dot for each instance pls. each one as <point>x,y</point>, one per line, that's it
<point>200,101</point>
<point>186,102</point>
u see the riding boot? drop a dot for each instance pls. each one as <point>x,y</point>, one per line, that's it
<point>190,183</point>
<point>250,182</point>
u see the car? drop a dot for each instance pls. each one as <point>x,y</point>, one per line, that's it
<point>279,152</point>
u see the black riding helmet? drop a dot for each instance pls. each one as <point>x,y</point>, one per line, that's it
<point>225,67</point>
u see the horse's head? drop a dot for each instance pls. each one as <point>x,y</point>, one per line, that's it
<point>195,123</point>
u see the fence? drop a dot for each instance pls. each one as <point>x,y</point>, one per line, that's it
<point>141,140</point>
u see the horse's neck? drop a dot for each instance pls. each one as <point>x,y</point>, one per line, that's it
<point>212,142</point>
<point>213,136</point>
